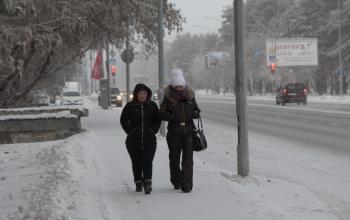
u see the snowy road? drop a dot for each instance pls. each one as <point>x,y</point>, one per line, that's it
<point>324,126</point>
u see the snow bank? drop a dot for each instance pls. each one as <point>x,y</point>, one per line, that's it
<point>58,115</point>
<point>61,107</point>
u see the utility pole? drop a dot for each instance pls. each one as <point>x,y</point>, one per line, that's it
<point>340,51</point>
<point>161,58</point>
<point>91,68</point>
<point>128,63</point>
<point>241,90</point>
<point>108,75</point>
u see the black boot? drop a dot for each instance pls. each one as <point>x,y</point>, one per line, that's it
<point>177,186</point>
<point>186,190</point>
<point>138,186</point>
<point>147,185</point>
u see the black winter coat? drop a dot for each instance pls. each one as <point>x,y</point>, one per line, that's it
<point>140,120</point>
<point>179,113</point>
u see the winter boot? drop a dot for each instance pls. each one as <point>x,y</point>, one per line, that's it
<point>138,186</point>
<point>186,190</point>
<point>177,186</point>
<point>147,185</point>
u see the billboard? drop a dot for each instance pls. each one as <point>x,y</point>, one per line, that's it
<point>292,52</point>
<point>214,59</point>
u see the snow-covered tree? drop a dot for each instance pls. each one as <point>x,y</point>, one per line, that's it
<point>41,37</point>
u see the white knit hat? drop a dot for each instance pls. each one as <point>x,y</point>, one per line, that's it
<point>177,78</point>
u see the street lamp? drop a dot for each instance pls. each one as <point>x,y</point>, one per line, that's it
<point>202,27</point>
<point>211,18</point>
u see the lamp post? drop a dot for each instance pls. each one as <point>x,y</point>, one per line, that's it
<point>127,45</point>
<point>161,57</point>
<point>340,51</point>
<point>241,90</point>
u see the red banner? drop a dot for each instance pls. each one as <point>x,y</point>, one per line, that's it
<point>97,70</point>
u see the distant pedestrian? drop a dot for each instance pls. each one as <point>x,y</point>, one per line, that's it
<point>140,120</point>
<point>179,108</point>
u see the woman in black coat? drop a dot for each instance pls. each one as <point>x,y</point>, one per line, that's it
<point>179,108</point>
<point>140,120</point>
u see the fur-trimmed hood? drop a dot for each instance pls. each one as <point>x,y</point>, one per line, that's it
<point>169,93</point>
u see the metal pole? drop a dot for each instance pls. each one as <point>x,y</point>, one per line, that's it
<point>161,58</point>
<point>127,63</point>
<point>340,51</point>
<point>108,75</point>
<point>91,68</point>
<point>241,91</point>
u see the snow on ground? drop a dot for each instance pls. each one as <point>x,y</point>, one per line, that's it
<point>89,177</point>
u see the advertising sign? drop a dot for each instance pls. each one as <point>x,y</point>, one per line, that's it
<point>292,52</point>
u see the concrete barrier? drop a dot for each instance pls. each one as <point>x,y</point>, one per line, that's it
<point>39,124</point>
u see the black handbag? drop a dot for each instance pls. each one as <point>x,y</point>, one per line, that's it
<point>199,141</point>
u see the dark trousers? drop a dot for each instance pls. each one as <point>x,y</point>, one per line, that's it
<point>178,144</point>
<point>142,161</point>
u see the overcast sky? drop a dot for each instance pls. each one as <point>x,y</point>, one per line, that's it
<point>195,12</point>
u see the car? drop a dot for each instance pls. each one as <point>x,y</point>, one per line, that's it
<point>292,92</point>
<point>156,95</point>
<point>71,98</point>
<point>131,95</point>
<point>40,98</point>
<point>116,97</point>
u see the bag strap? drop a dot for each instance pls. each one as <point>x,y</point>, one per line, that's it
<point>199,122</point>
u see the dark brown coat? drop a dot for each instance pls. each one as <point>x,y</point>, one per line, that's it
<point>179,114</point>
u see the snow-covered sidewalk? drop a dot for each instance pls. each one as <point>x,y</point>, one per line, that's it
<point>89,177</point>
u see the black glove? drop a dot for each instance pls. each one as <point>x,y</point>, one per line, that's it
<point>195,114</point>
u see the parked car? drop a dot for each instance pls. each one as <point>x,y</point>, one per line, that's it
<point>292,92</point>
<point>116,97</point>
<point>71,98</point>
<point>40,98</point>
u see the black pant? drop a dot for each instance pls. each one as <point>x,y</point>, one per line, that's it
<point>178,143</point>
<point>142,161</point>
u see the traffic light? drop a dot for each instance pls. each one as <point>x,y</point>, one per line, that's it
<point>273,68</point>
<point>113,70</point>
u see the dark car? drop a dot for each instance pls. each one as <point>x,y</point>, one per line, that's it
<point>293,92</point>
<point>116,97</point>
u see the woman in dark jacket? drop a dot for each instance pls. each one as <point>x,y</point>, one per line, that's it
<point>179,108</point>
<point>140,120</point>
